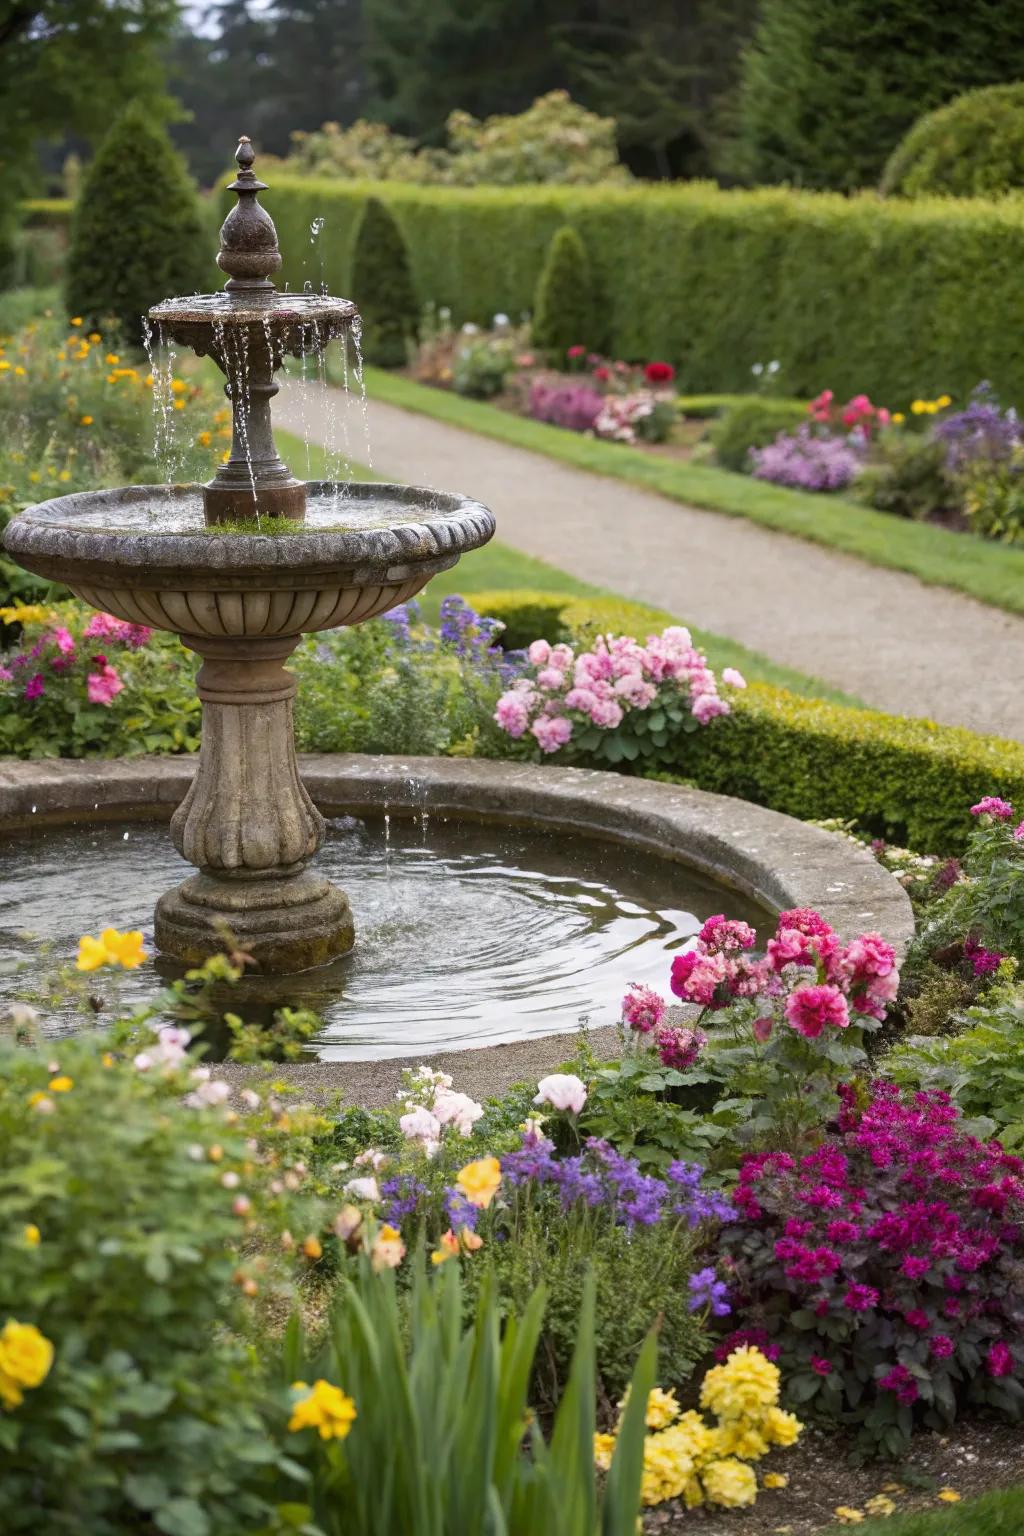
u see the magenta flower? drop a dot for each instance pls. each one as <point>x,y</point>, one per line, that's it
<point>942,1346</point>
<point>821,1366</point>
<point>999,1360</point>
<point>643,1009</point>
<point>861,1298</point>
<point>917,1318</point>
<point>809,1009</point>
<point>103,686</point>
<point>991,805</point>
<point>762,1029</point>
<point>679,1048</point>
<point>35,686</point>
<point>724,934</point>
<point>900,1381</point>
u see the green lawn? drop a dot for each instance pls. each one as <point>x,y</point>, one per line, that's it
<point>994,1514</point>
<point>990,572</point>
<point>499,567</point>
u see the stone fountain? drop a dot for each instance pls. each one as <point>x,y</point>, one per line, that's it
<point>240,569</point>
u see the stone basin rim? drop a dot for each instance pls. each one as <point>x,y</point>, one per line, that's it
<point>441,525</point>
<point>766,855</point>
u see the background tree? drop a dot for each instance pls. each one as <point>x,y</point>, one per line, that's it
<point>972,147</point>
<point>138,234</point>
<point>828,87</point>
<point>382,288</point>
<point>564,311</point>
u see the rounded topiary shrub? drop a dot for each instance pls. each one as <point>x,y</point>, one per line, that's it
<point>563,306</point>
<point>138,234</point>
<point>971,147</point>
<point>382,288</point>
<point>752,423</point>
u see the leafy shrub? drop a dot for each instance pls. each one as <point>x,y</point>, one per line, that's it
<point>121,1247</point>
<point>481,365</point>
<point>993,498</point>
<point>981,916</point>
<point>563,306</point>
<point>440,1410</point>
<point>752,423</point>
<point>554,141</point>
<point>137,235</point>
<point>907,476</point>
<point>971,147</point>
<point>617,702</point>
<point>711,278</point>
<point>902,778</point>
<point>807,460</point>
<point>383,289</point>
<point>883,1264</point>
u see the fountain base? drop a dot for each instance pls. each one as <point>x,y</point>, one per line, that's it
<point>226,501</point>
<point>284,926</point>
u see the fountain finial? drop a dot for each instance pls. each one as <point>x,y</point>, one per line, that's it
<point>248,240</point>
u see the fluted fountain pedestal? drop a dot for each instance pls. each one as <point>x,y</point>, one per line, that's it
<point>248,825</point>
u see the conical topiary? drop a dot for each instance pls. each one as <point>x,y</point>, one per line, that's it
<point>563,306</point>
<point>138,234</point>
<point>382,288</point>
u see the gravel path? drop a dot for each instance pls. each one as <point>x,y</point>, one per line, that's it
<point>896,643</point>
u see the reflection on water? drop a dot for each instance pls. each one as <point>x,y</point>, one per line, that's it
<point>467,934</point>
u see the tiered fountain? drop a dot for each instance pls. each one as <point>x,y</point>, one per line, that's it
<point>242,594</point>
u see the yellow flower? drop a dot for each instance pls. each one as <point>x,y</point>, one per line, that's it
<point>746,1384</point>
<point>312,1247</point>
<point>225,455</point>
<point>62,1084</point>
<point>776,1480</point>
<point>124,949</point>
<point>918,407</point>
<point>34,476</point>
<point>471,1242</point>
<point>949,1496</point>
<point>4,366</point>
<point>86,421</point>
<point>62,357</point>
<point>880,1505</point>
<point>95,336</point>
<point>447,1248</point>
<point>480,1181</point>
<point>40,1096</point>
<point>19,370</point>
<point>32,1235</point>
<point>781,1428</point>
<point>729,1483</point>
<point>898,418</point>
<point>847,1516</point>
<point>92,954</point>
<point>204,439</point>
<point>25,1359</point>
<point>65,474</point>
<point>325,1408</point>
<point>604,1449</point>
<point>662,1409</point>
<point>76,320</point>
<point>112,358</point>
<point>25,613</point>
<point>388,1250</point>
<point>179,405</point>
<point>943,401</point>
<point>178,386</point>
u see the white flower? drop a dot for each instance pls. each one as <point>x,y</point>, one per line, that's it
<point>420,1125</point>
<point>469,329</point>
<point>207,1094</point>
<point>457,1109</point>
<point>562,1090</point>
<point>732,678</point>
<point>774,365</point>
<point>371,1158</point>
<point>499,322</point>
<point>757,370</point>
<point>250,1099</point>
<point>230,1180</point>
<point>363,1189</point>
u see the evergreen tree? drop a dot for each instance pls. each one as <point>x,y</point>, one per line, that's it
<point>829,87</point>
<point>563,308</point>
<point>382,288</point>
<point>974,147</point>
<point>138,235</point>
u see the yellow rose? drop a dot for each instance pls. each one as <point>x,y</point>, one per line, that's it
<point>325,1408</point>
<point>776,1480</point>
<point>25,1354</point>
<point>730,1484</point>
<point>480,1181</point>
<point>604,1449</point>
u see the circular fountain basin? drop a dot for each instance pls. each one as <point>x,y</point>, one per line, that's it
<point>498,901</point>
<point>145,554</point>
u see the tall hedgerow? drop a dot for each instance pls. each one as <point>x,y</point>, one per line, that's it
<point>382,287</point>
<point>563,308</point>
<point>138,235</point>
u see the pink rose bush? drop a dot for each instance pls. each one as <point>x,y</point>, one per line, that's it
<point>884,1265</point>
<point>618,701</point>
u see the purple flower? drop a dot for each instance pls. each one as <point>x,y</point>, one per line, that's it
<point>460,1211</point>
<point>35,686</point>
<point>984,961</point>
<point>403,1194</point>
<point>574,406</point>
<point>576,1182</point>
<point>981,432</point>
<point>534,1160</point>
<point>706,1290</point>
<point>807,461</point>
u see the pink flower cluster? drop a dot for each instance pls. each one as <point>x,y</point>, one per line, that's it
<point>602,686</point>
<point>905,1228</point>
<point>857,415</point>
<point>860,977</point>
<point>103,626</point>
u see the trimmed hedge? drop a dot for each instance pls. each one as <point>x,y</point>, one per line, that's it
<point>897,298</point>
<point>909,780</point>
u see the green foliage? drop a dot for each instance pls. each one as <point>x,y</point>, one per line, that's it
<point>981,1065</point>
<point>437,1447</point>
<point>906,476</point>
<point>482,364</point>
<point>151,1414</point>
<point>906,779</point>
<point>714,281</point>
<point>752,423</point>
<point>563,307</point>
<point>137,235</point>
<point>828,87</point>
<point>994,1514</point>
<point>383,288</point>
<point>554,141</point>
<point>971,147</point>
<point>987,904</point>
<point>993,498</point>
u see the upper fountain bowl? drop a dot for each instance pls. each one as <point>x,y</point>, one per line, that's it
<point>284,324</point>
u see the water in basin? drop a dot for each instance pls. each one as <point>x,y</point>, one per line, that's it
<point>467,935</point>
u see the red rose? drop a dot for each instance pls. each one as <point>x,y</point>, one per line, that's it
<point>659,373</point>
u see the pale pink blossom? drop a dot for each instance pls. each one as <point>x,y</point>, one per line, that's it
<point>457,1110</point>
<point>706,706</point>
<point>64,640</point>
<point>732,678</point>
<point>363,1189</point>
<point>551,732</point>
<point>551,679</point>
<point>539,653</point>
<point>512,714</point>
<point>422,1126</point>
<point>562,1090</point>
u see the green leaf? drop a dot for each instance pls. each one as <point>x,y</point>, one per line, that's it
<point>181,1517</point>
